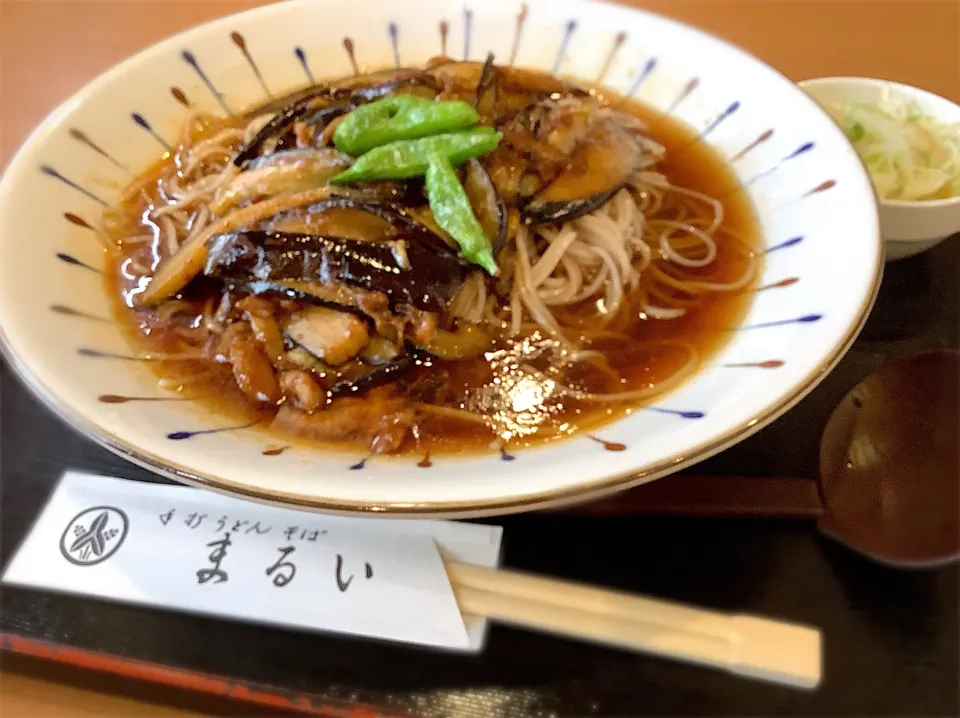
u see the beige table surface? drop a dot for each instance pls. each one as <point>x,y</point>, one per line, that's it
<point>50,48</point>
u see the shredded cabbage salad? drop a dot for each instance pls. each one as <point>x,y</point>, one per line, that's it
<point>910,155</point>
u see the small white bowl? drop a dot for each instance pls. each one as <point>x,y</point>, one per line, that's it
<point>908,227</point>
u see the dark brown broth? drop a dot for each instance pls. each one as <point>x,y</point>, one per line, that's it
<point>688,163</point>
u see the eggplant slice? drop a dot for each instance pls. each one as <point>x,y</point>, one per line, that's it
<point>516,87</point>
<point>606,160</point>
<point>368,376</point>
<point>320,104</point>
<point>283,120</point>
<point>384,78</point>
<point>466,342</point>
<point>488,89</point>
<point>488,205</point>
<point>405,270</point>
<point>400,221</point>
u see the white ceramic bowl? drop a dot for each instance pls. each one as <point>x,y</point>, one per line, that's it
<point>908,227</point>
<point>814,200</point>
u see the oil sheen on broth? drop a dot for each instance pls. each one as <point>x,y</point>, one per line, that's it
<point>527,382</point>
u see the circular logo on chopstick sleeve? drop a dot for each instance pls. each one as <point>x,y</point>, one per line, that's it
<point>94,535</point>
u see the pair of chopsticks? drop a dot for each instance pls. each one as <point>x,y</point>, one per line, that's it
<point>744,645</point>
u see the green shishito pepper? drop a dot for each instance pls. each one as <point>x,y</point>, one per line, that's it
<point>406,159</point>
<point>404,117</point>
<point>452,211</point>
